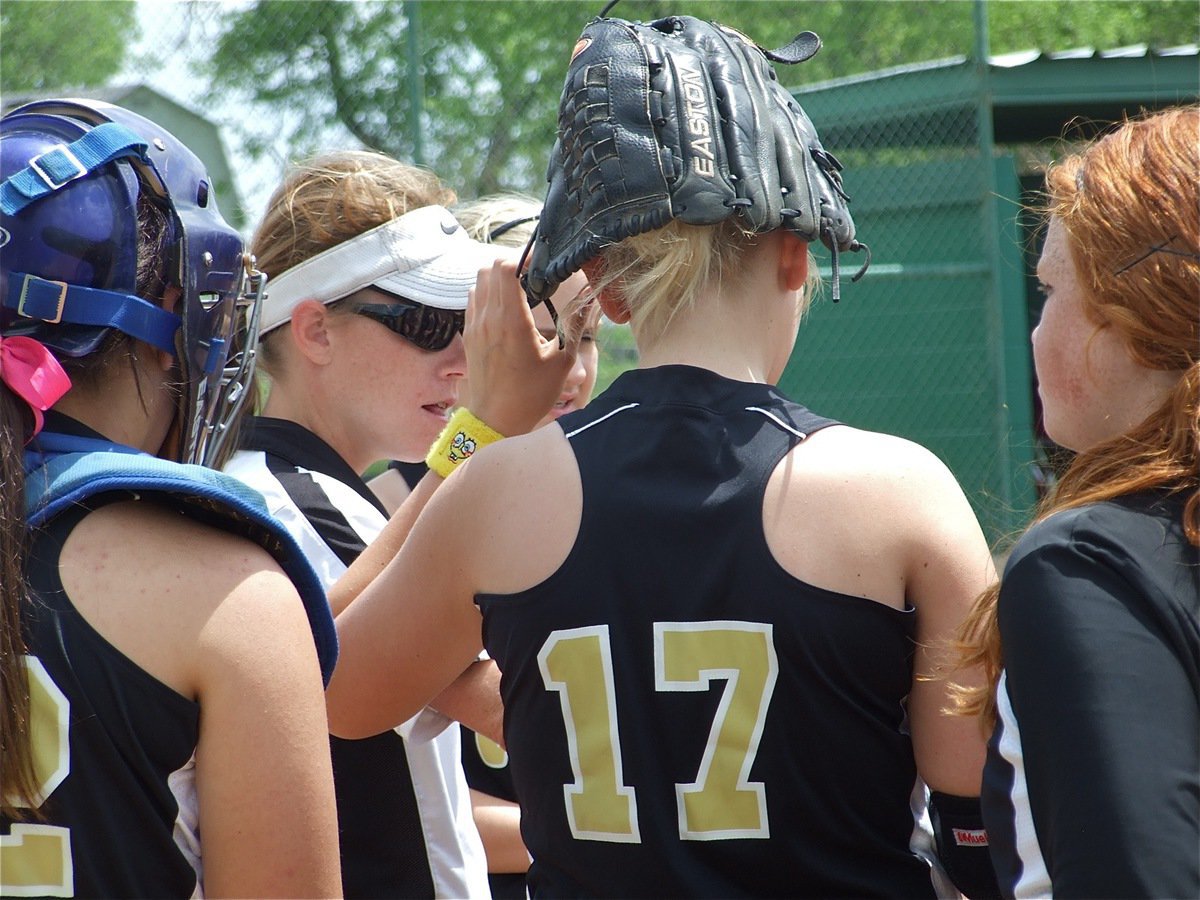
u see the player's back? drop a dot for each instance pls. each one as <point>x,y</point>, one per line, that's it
<point>683,716</point>
<point>125,742</point>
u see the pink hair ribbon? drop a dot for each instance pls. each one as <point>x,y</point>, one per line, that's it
<point>32,373</point>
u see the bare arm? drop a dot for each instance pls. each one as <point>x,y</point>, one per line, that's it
<point>384,548</point>
<point>875,516</point>
<point>232,636</point>
<point>474,700</point>
<point>499,824</point>
<point>948,566</point>
<point>263,772</point>
<point>415,628</point>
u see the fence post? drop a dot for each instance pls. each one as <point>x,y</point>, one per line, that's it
<point>988,209</point>
<point>416,83</point>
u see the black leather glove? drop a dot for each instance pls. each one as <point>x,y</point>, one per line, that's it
<point>680,119</point>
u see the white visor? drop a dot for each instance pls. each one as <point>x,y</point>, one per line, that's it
<point>424,255</point>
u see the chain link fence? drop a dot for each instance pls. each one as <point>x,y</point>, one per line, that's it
<point>943,159</point>
<point>916,347</point>
<point>932,344</point>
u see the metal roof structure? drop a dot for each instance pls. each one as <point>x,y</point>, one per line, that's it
<point>1028,91</point>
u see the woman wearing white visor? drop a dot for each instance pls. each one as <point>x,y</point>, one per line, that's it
<point>362,344</point>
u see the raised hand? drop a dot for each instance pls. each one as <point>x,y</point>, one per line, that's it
<point>515,374</point>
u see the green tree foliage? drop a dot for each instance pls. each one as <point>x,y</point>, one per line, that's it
<point>50,45</point>
<point>491,72</point>
<point>488,95</point>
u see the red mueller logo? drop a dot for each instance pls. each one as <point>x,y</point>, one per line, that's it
<point>580,45</point>
<point>970,837</point>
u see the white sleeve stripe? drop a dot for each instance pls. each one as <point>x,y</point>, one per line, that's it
<point>608,415</point>
<point>778,421</point>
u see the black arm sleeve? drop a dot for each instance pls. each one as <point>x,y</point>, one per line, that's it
<point>1100,670</point>
<point>962,845</point>
<point>412,473</point>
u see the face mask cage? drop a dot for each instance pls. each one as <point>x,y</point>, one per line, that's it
<point>217,406</point>
<point>218,303</point>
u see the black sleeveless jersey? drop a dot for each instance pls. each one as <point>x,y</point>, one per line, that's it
<point>114,747</point>
<point>1092,781</point>
<point>682,716</point>
<point>121,816</point>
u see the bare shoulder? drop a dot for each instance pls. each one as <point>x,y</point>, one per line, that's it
<point>524,500</point>
<point>880,462</point>
<point>857,511</point>
<point>849,471</point>
<point>151,580</point>
<point>152,543</point>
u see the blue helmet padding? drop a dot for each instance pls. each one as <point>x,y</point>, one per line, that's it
<point>63,163</point>
<point>84,234</point>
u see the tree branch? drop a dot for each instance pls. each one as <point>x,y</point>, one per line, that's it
<point>346,102</point>
<point>502,139</point>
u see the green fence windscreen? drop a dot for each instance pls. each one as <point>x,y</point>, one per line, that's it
<point>918,347</point>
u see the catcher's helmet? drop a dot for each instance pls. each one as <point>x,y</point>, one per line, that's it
<point>72,173</point>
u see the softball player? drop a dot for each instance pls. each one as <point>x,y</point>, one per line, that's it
<point>717,614</point>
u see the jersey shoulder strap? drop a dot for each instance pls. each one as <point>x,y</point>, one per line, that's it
<point>55,482</point>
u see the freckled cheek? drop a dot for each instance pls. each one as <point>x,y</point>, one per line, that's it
<point>1058,374</point>
<point>387,384</point>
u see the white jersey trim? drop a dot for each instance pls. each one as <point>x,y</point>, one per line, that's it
<point>457,861</point>
<point>778,421</point>
<point>922,844</point>
<point>608,415</point>
<point>182,785</point>
<point>1035,878</point>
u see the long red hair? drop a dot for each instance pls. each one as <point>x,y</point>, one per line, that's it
<point>1130,206</point>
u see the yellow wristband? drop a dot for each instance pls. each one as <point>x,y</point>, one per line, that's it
<point>462,436</point>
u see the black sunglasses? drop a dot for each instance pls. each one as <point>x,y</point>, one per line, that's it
<point>427,327</point>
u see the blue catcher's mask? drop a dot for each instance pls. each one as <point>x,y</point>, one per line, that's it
<point>72,174</point>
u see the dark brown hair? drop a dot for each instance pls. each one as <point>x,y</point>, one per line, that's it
<point>18,782</point>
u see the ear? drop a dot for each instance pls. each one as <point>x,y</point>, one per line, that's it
<point>611,299</point>
<point>310,331</point>
<point>793,261</point>
<point>617,311</point>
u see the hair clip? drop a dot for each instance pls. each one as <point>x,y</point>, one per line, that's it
<point>508,226</point>
<point>1159,248</point>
